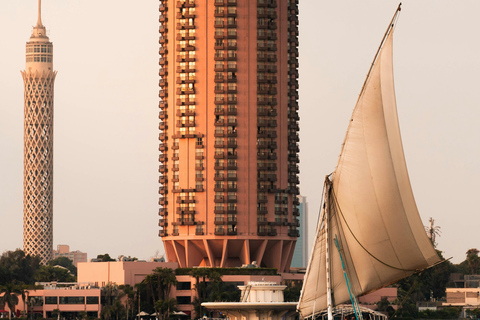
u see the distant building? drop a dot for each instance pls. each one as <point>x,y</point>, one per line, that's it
<point>69,298</point>
<point>76,256</point>
<point>373,297</point>
<point>467,297</point>
<point>38,80</point>
<point>119,272</point>
<point>301,254</point>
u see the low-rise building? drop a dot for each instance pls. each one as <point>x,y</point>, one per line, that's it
<point>68,298</point>
<point>119,272</point>
<point>76,256</point>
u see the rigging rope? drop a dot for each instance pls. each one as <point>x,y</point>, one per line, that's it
<point>361,245</point>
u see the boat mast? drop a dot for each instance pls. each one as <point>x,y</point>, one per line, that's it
<point>389,29</point>
<point>328,186</point>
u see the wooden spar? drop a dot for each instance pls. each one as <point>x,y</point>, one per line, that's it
<point>389,29</point>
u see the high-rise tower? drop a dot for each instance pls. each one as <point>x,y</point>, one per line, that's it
<point>229,131</point>
<point>38,79</point>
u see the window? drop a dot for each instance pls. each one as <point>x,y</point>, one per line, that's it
<point>184,300</point>
<point>92,300</point>
<point>184,286</point>
<point>51,300</point>
<point>71,300</point>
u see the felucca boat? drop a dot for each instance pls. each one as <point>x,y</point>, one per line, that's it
<point>370,233</point>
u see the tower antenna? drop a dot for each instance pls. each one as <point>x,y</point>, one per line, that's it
<point>39,21</point>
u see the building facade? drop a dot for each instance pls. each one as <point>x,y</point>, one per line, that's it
<point>229,132</point>
<point>70,299</point>
<point>301,254</point>
<point>76,256</point>
<point>38,79</point>
<point>99,274</point>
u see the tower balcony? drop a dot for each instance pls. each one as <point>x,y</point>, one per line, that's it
<point>219,231</point>
<point>162,233</point>
<point>219,221</point>
<point>162,179</point>
<point>163,18</point>
<point>162,72</point>
<point>162,147</point>
<point>163,8</point>
<point>162,115</point>
<point>163,93</point>
<point>294,233</point>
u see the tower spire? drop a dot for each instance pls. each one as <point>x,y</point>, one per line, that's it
<point>39,21</point>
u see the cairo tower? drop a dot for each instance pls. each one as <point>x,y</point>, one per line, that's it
<point>229,132</point>
<point>38,79</point>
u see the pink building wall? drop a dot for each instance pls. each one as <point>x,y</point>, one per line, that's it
<point>376,296</point>
<point>119,272</point>
<point>73,291</point>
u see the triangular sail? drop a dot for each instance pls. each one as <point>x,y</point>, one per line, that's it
<point>371,207</point>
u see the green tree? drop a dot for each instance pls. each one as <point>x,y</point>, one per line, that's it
<point>166,307</point>
<point>129,292</point>
<point>159,284</point>
<point>10,292</point>
<point>17,267</point>
<point>475,313</point>
<point>82,315</point>
<point>105,257</point>
<point>473,260</point>
<point>384,306</point>
<point>56,313</point>
<point>212,290</point>
<point>54,273</point>
<point>113,307</point>
<point>64,262</point>
<point>292,291</point>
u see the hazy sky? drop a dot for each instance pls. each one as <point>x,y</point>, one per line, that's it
<point>106,112</point>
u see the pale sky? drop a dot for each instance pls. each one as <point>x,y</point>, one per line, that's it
<point>106,113</point>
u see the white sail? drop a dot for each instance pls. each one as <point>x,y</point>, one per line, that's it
<point>371,208</point>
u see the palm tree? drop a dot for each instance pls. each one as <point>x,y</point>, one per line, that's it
<point>433,231</point>
<point>163,279</point>
<point>130,294</point>
<point>473,260</point>
<point>166,307</point>
<point>113,305</point>
<point>10,296</point>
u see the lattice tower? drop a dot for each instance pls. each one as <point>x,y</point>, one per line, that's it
<point>38,79</point>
